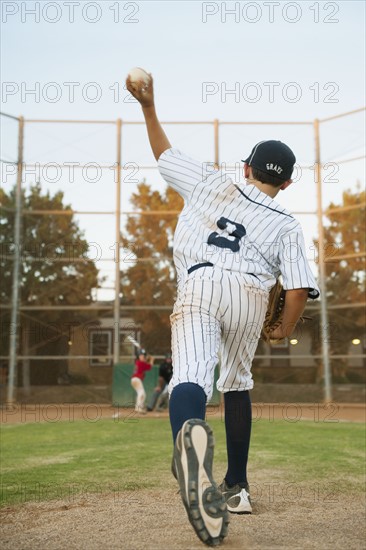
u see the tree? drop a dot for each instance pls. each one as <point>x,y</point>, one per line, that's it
<point>54,271</point>
<point>345,278</point>
<point>150,279</point>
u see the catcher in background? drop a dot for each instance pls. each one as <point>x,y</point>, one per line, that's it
<point>231,244</point>
<point>160,396</point>
<point>143,364</point>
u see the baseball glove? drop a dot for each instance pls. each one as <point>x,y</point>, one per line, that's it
<point>274,313</point>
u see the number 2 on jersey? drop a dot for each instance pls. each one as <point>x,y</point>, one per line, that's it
<point>234,229</point>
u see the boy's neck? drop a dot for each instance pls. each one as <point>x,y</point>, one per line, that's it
<point>264,187</point>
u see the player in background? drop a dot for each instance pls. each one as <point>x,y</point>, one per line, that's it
<point>231,244</point>
<point>165,374</point>
<point>143,363</point>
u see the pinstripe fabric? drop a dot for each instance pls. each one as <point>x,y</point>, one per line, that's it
<point>250,240</point>
<point>273,243</point>
<point>216,315</point>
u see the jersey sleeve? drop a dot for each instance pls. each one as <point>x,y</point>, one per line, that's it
<point>294,266</point>
<point>181,172</point>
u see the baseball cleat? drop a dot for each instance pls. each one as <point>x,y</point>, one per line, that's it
<point>237,498</point>
<point>192,464</point>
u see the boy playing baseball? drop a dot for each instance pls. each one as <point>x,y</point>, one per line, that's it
<point>231,244</point>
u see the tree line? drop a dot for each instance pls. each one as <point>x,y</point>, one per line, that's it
<point>55,271</point>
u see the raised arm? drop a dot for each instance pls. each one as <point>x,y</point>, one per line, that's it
<point>145,96</point>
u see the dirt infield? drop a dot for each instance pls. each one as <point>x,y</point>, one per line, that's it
<point>91,412</point>
<point>155,520</point>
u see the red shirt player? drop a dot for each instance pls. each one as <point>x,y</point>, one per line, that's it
<point>141,367</point>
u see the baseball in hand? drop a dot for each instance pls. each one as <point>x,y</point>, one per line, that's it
<point>137,75</point>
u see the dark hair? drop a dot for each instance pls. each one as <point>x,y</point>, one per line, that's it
<point>266,178</point>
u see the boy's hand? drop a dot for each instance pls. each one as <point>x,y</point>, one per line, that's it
<point>144,93</point>
<point>277,334</point>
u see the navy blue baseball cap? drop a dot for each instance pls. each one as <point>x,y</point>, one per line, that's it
<point>272,157</point>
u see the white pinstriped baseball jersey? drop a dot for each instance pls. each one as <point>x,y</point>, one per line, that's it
<point>245,240</point>
<point>237,228</point>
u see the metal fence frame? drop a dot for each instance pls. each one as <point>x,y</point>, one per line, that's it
<point>16,308</point>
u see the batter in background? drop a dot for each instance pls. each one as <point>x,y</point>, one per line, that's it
<point>231,244</point>
<point>143,363</point>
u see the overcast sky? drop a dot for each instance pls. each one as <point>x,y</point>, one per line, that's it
<point>232,61</point>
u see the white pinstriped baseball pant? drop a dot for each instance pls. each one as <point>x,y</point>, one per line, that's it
<point>138,386</point>
<point>218,313</point>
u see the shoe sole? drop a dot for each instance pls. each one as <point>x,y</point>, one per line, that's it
<point>234,511</point>
<point>245,508</point>
<point>203,501</point>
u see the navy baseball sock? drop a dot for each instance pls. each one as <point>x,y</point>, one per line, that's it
<point>187,401</point>
<point>238,423</point>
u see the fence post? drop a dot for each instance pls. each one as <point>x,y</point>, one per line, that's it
<point>324,326</point>
<point>117,284</point>
<point>216,142</point>
<point>14,331</point>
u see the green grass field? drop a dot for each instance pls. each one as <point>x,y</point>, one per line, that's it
<point>43,461</point>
